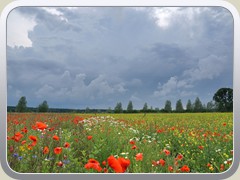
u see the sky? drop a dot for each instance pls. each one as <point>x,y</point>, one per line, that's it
<point>78,57</point>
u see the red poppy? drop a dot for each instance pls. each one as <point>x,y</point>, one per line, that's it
<point>93,164</point>
<point>104,163</point>
<point>180,157</point>
<point>24,130</point>
<point>222,167</point>
<point>89,137</point>
<point>224,124</point>
<point>132,142</point>
<point>17,137</point>
<point>23,142</point>
<point>45,150</point>
<point>124,163</point>
<point>33,138</point>
<point>34,143</point>
<point>185,168</point>
<point>170,168</point>
<point>162,162</point>
<point>57,150</point>
<point>41,125</point>
<point>201,147</point>
<point>167,152</point>
<point>66,145</point>
<point>118,165</point>
<point>60,164</point>
<point>55,137</point>
<point>139,156</point>
<point>134,147</point>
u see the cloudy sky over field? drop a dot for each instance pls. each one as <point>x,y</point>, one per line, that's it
<point>96,57</point>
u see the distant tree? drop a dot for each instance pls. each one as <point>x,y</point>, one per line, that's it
<point>22,105</point>
<point>224,99</point>
<point>189,107</point>
<point>43,107</point>
<point>197,107</point>
<point>145,107</point>
<point>168,106</point>
<point>130,107</point>
<point>179,106</point>
<point>211,106</point>
<point>87,110</point>
<point>118,108</point>
<point>157,109</point>
<point>109,110</point>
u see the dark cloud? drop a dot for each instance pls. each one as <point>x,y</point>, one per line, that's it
<point>98,56</point>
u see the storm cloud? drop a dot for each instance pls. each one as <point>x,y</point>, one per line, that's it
<point>98,56</point>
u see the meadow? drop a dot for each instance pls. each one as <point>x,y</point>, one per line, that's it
<point>120,143</point>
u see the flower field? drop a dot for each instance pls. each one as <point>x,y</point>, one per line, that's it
<point>120,143</point>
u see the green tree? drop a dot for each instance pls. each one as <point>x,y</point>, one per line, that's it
<point>168,106</point>
<point>43,107</point>
<point>189,107</point>
<point>118,108</point>
<point>22,105</point>
<point>211,106</point>
<point>224,99</point>
<point>179,106</point>
<point>130,107</point>
<point>145,107</point>
<point>197,107</point>
<point>87,110</point>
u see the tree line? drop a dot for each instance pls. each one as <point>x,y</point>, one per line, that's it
<point>222,101</point>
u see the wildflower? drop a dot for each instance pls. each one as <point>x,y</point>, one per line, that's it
<point>57,150</point>
<point>23,142</point>
<point>66,145</point>
<point>118,165</point>
<point>104,163</point>
<point>162,162</point>
<point>139,157</point>
<point>89,137</point>
<point>134,147</point>
<point>167,152</point>
<point>222,167</point>
<point>93,164</point>
<point>170,168</point>
<point>45,150</point>
<point>55,137</point>
<point>185,168</point>
<point>17,137</point>
<point>66,161</point>
<point>201,147</point>
<point>132,142</point>
<point>224,124</point>
<point>60,164</point>
<point>20,158</point>
<point>41,125</point>
<point>180,157</point>
<point>11,149</point>
<point>33,138</point>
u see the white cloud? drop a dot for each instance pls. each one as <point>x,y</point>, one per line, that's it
<point>18,27</point>
<point>55,12</point>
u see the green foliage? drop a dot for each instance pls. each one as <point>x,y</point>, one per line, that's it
<point>130,107</point>
<point>224,99</point>
<point>145,107</point>
<point>189,107</point>
<point>197,107</point>
<point>22,105</point>
<point>43,107</point>
<point>168,106</point>
<point>179,106</point>
<point>118,108</point>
